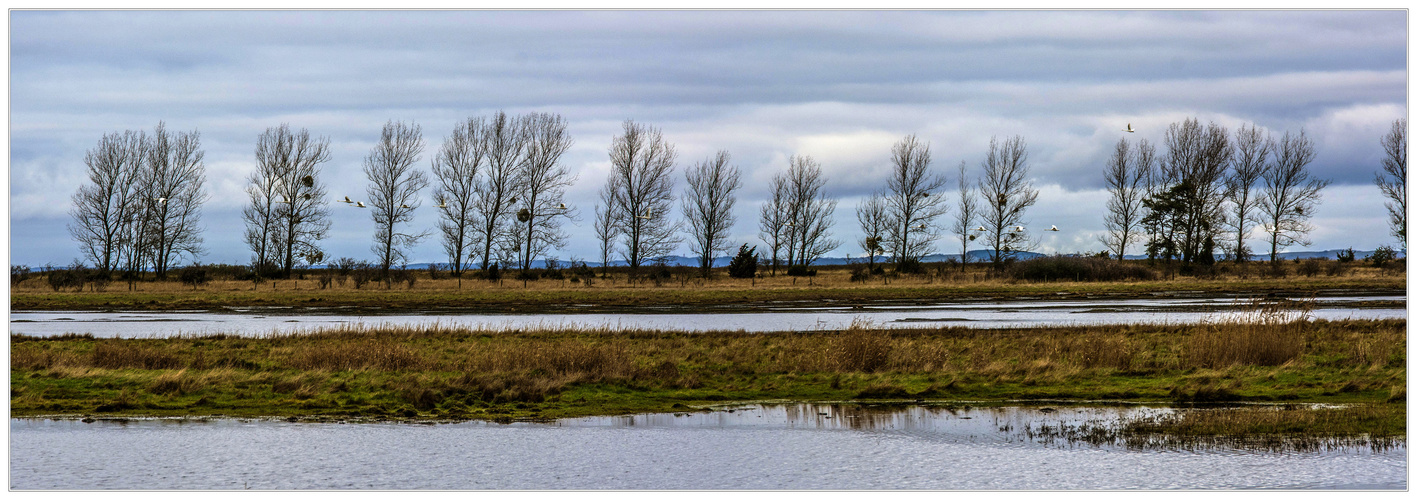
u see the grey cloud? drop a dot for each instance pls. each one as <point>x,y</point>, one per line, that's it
<point>841,86</point>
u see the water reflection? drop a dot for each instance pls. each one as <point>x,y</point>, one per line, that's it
<point>757,446</point>
<point>970,313</point>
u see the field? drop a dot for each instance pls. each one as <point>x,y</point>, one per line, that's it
<point>393,373</point>
<point>681,287</point>
<point>450,374</point>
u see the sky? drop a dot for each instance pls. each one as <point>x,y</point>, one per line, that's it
<point>839,86</point>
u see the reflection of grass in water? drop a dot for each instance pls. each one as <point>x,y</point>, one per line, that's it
<point>1288,428</point>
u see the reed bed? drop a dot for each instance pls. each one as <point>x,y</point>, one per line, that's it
<point>431,370</point>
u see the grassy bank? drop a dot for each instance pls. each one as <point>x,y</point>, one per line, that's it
<point>467,374</point>
<point>830,285</point>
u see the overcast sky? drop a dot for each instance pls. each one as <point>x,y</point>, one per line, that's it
<point>840,86</point>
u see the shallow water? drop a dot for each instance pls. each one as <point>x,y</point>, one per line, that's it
<point>794,446</point>
<point>975,314</point>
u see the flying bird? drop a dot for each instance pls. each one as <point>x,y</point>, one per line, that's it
<point>561,206</point>
<point>405,205</point>
<point>1129,129</point>
<point>359,204</point>
<point>645,216</point>
<point>1018,229</point>
<point>1054,228</point>
<point>442,204</point>
<point>980,228</point>
<point>347,200</point>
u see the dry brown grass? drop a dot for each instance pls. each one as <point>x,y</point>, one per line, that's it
<point>1269,334</point>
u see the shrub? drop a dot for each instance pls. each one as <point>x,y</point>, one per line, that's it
<point>859,273</point>
<point>745,264</point>
<point>194,275</point>
<point>553,270</point>
<point>362,272</point>
<point>1079,269</point>
<point>434,271</point>
<point>493,273</point>
<point>18,274</point>
<point>800,270</point>
<point>1310,267</point>
<point>61,278</point>
<point>909,266</point>
<point>1346,255</point>
<point>1381,256</point>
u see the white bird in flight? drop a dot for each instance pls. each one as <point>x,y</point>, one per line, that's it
<point>1018,229</point>
<point>645,216</point>
<point>1054,228</point>
<point>980,228</point>
<point>359,204</point>
<point>347,200</point>
<point>1129,129</point>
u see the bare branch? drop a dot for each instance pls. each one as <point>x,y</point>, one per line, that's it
<point>393,190</point>
<point>708,206</point>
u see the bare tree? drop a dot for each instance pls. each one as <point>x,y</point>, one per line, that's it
<point>809,213</point>
<point>456,166</point>
<point>541,185</point>
<point>773,221</point>
<point>641,178</point>
<point>875,224</point>
<point>104,208</point>
<point>262,223</point>
<point>1289,196</point>
<point>495,193</point>
<point>606,227</point>
<point>1195,166</point>
<point>914,202</point>
<point>1124,176</point>
<point>393,190</point>
<point>1392,181</point>
<point>966,215</point>
<point>708,206</point>
<point>1007,193</point>
<point>172,196</point>
<point>1252,149</point>
<point>289,214</point>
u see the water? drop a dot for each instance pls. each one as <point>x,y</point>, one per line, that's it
<point>976,314</point>
<point>795,446</point>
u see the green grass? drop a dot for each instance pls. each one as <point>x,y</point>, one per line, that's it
<point>473,374</point>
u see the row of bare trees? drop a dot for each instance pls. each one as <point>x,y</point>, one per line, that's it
<point>499,184</point>
<point>142,204</point>
<point>904,221</point>
<point>1209,191</point>
<point>500,189</point>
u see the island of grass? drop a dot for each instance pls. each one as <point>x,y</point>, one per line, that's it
<point>1357,366</point>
